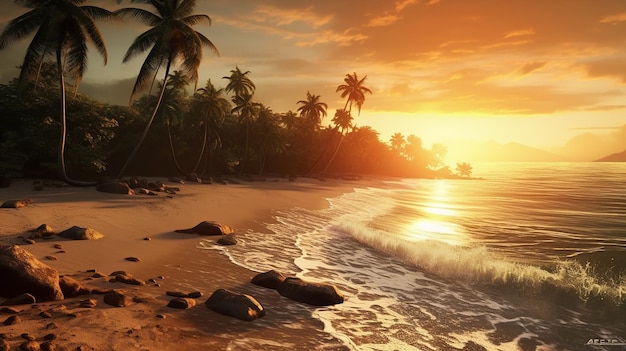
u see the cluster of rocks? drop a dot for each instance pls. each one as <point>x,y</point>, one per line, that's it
<point>135,186</point>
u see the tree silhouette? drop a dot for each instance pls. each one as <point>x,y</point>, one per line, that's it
<point>172,40</point>
<point>63,28</point>
<point>354,90</point>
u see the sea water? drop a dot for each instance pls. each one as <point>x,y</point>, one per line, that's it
<point>532,256</point>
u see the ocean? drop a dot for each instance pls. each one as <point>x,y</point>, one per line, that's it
<point>531,256</point>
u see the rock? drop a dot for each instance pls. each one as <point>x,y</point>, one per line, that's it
<point>4,345</point>
<point>316,294</point>
<point>58,246</point>
<point>16,203</point>
<point>195,295</point>
<point>31,345</point>
<point>15,319</point>
<point>43,230</point>
<point>21,272</point>
<point>208,228</point>
<point>182,303</point>
<point>116,299</point>
<point>240,306</point>
<point>27,336</point>
<point>8,310</point>
<point>48,346</point>
<point>133,259</point>
<point>51,258</point>
<point>270,279</point>
<point>128,279</point>
<point>78,233</point>
<point>144,191</point>
<point>89,303</point>
<point>21,299</point>
<point>228,239</point>
<point>50,337</point>
<point>29,241</point>
<point>175,293</point>
<point>70,286</point>
<point>115,188</point>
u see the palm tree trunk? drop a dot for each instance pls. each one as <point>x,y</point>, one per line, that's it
<point>145,131</point>
<point>332,158</point>
<point>169,135</point>
<point>61,152</point>
<point>204,142</point>
<point>245,150</point>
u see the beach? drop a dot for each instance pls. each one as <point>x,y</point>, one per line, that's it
<point>143,226</point>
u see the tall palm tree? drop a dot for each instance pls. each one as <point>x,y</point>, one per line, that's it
<point>397,142</point>
<point>172,40</point>
<point>268,138</point>
<point>343,122</point>
<point>63,29</point>
<point>354,90</point>
<point>248,112</point>
<point>210,102</point>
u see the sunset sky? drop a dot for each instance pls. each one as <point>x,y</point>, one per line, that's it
<point>535,72</point>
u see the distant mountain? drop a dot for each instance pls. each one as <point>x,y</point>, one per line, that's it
<point>471,151</point>
<point>617,157</point>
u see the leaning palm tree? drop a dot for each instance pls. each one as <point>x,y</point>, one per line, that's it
<point>63,29</point>
<point>343,122</point>
<point>172,40</point>
<point>354,90</point>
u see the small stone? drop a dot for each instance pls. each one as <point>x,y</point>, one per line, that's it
<point>182,303</point>
<point>4,345</point>
<point>58,246</point>
<point>13,320</point>
<point>29,241</point>
<point>48,346</point>
<point>147,238</point>
<point>45,314</point>
<point>151,280</point>
<point>61,251</point>
<point>116,299</point>
<point>89,303</point>
<point>51,258</point>
<point>175,294</point>
<point>227,240</point>
<point>52,326</point>
<point>27,336</point>
<point>30,346</point>
<point>161,316</point>
<point>50,337</point>
<point>195,295</point>
<point>133,259</point>
<point>128,279</point>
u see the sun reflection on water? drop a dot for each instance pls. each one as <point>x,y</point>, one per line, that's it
<point>437,219</point>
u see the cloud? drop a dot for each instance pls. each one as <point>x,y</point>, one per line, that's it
<point>530,67</point>
<point>383,21</point>
<point>621,17</point>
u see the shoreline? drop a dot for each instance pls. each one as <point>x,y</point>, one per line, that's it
<point>126,221</point>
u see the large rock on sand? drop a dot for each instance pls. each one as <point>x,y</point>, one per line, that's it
<point>240,306</point>
<point>208,228</point>
<point>316,294</point>
<point>78,233</point>
<point>21,272</point>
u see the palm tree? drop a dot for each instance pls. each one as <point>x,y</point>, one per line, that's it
<point>343,122</point>
<point>464,169</point>
<point>267,136</point>
<point>213,105</point>
<point>239,83</point>
<point>397,142</point>
<point>248,112</point>
<point>354,90</point>
<point>312,110</point>
<point>63,28</point>
<point>172,41</point>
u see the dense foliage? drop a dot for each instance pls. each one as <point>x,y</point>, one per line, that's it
<point>170,131</point>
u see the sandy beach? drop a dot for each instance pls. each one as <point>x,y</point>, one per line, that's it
<point>143,226</point>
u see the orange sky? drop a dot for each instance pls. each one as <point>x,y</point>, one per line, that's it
<point>536,72</point>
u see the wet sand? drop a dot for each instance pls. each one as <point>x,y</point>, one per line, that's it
<point>173,260</point>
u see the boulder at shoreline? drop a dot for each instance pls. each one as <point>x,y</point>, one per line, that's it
<point>240,306</point>
<point>208,228</point>
<point>316,294</point>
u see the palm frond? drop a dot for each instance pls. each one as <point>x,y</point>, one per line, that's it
<point>143,42</point>
<point>22,26</point>
<point>144,16</point>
